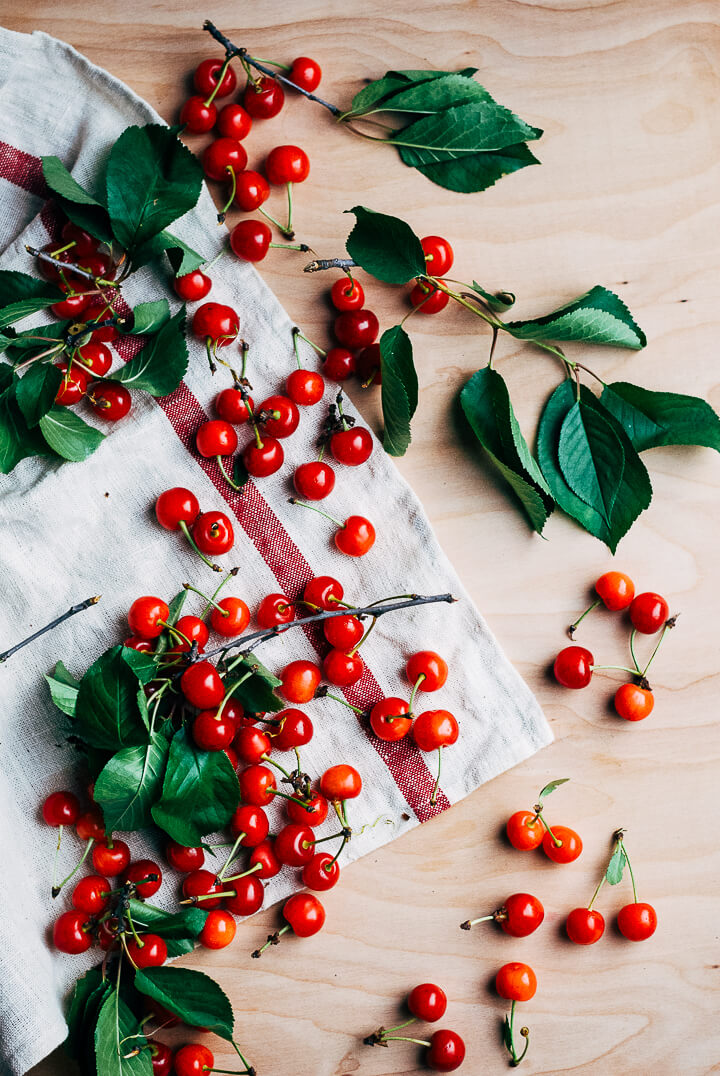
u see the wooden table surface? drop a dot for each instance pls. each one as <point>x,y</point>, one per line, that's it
<point>627,196</point>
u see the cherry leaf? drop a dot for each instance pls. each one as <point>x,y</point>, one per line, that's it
<point>148,318</point>
<point>461,131</point>
<point>191,995</point>
<point>256,692</point>
<point>597,317</point>
<point>77,203</point>
<point>551,786</point>
<point>69,435</point>
<point>107,715</point>
<point>478,171</point>
<point>161,365</point>
<point>179,929</point>
<point>21,295</point>
<point>591,458</point>
<point>117,1025</point>
<point>63,689</point>
<point>35,391</point>
<point>130,783</point>
<point>199,793</point>
<point>652,419</point>
<point>399,389</point>
<point>385,246</point>
<point>616,866</point>
<point>17,440</point>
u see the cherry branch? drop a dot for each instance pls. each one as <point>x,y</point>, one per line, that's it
<point>329,263</point>
<point>68,267</point>
<point>48,627</point>
<point>360,611</point>
<point>242,54</point>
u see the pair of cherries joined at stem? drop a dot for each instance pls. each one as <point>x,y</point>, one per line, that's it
<point>210,534</point>
<point>445,1049</point>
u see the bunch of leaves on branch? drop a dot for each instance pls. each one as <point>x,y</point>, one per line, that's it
<point>588,461</point>
<point>150,181</point>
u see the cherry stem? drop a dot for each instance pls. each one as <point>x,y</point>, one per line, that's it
<point>68,267</point>
<point>404,1038</point>
<point>355,649</point>
<point>282,770</point>
<point>49,627</point>
<point>620,668</point>
<point>186,531</point>
<point>633,633</point>
<point>336,698</point>
<point>232,50</point>
<point>57,888</point>
<point>218,82</point>
<point>236,877</point>
<point>55,859</point>
<point>376,610</point>
<point>249,1070</point>
<point>286,231</point>
<point>233,187</point>
<point>302,504</point>
<point>321,264</point>
<point>436,786</point>
<point>210,603</point>
<point>298,335</point>
<point>595,894</point>
<point>286,796</point>
<point>289,228</point>
<point>416,686</point>
<point>233,852</point>
<point>273,939</point>
<point>303,247</point>
<point>469,923</point>
<point>574,626</point>
<point>217,896</point>
<point>670,624</point>
<point>398,1027</point>
<point>539,816</point>
<point>511,1044</point>
<point>174,632</point>
<point>226,476</point>
<point>621,845</point>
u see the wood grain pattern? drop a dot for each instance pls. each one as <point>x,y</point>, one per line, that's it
<point>626,196</point>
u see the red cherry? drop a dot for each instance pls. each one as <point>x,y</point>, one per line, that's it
<point>206,78</point>
<point>85,243</point>
<point>637,922</point>
<point>103,267</point>
<point>314,481</point>
<point>287,164</point>
<point>439,255</point>
<point>347,294</point>
<point>356,536</point>
<point>217,323</point>
<point>351,447</point>
<point>342,669</point>
<point>313,812</point>
<point>305,387</point>
<point>251,190</point>
<point>428,299</point>
<point>193,1060</point>
<point>184,858</point>
<point>323,592</point>
<point>250,239</point>
<point>231,406</point>
<point>339,364</point>
<point>145,617</point>
<point>61,809</point>
<point>149,952</point>
<point>71,933</point>
<point>634,703</point>
<point>92,894</point>
<point>252,746</point>
<point>231,618</point>
<point>428,665</point>
<point>143,646</point>
<point>249,820</point>
<point>195,630</point>
<point>341,782</point>
<point>435,728</point>
<point>223,157</point>
<point>198,117</point>
<point>343,632</point>
<point>234,122</point>
<point>191,287</point>
<point>648,613</point>
<point>525,831</point>
<point>446,1051</point>
<point>73,385</point>
<point>273,610</point>
<point>305,73</point>
<point>95,358</point>
<point>261,462</point>
<point>216,438</point>
<point>202,687</point>
<point>570,845</point>
<point>283,416</point>
<point>264,857</point>
<point>386,719</point>
<point>90,824</point>
<point>584,926</point>
<point>369,366</point>
<point>304,913</point>
<point>110,401</point>
<point>110,861</point>
<point>516,982</point>
<point>54,272</point>
<point>175,506</point>
<point>616,590</point>
<point>200,883</point>
<point>213,533</point>
<point>257,785</point>
<point>144,869</point>
<point>321,872</point>
<point>294,845</point>
<point>300,681</point>
<point>573,667</point>
<point>295,730</point>
<point>210,732</point>
<point>520,915</point>
<point>162,1059</point>
<point>72,306</point>
<point>356,328</point>
<point>264,98</point>
<point>427,1002</point>
<point>219,930</point>
<point>249,896</point>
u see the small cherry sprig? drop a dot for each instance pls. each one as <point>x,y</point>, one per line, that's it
<point>528,830</point>
<point>649,614</point>
<point>445,1050</point>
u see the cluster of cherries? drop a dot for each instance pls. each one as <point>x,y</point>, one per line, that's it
<point>445,1050</point>
<point>88,304</point>
<point>649,614</point>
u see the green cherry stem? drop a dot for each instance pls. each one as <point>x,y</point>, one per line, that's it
<point>436,786</point>
<point>670,624</point>
<point>211,603</point>
<point>399,1027</point>
<point>233,187</point>
<point>470,923</point>
<point>516,1059</point>
<point>289,230</point>
<point>574,626</point>
<point>298,335</point>
<point>621,845</point>
<point>218,82</point>
<point>336,698</point>
<point>234,878</point>
<point>226,476</point>
<point>539,817</point>
<point>595,894</point>
<point>620,668</point>
<point>414,692</point>
<point>302,504</point>
<point>186,531</point>
<point>273,939</point>
<point>233,852</point>
<point>55,859</point>
<point>633,634</point>
<point>286,231</point>
<point>404,1038</point>
<point>57,888</point>
<point>281,769</point>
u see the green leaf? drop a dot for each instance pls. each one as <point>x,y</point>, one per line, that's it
<point>370,96</point>
<point>160,366</point>
<point>149,317</point>
<point>69,435</point>
<point>199,794</point>
<point>435,95</point>
<point>385,246</point>
<point>476,171</point>
<point>486,403</point>
<point>130,783</point>
<point>63,689</point>
<point>6,375</point>
<point>85,987</point>
<point>183,259</point>
<point>143,664</point>
<point>399,389</point>
<point>551,786</point>
<point>597,317</point>
<point>107,713</point>
<point>194,997</point>
<point>116,1023</point>
<point>241,475</point>
<point>591,458</point>
<point>17,441</point>
<point>35,391</point>
<point>174,610</point>
<point>461,131</point>
<point>498,300</point>
<point>635,490</point>
<point>77,204</point>
<point>507,1034</point>
<point>652,419</point>
<point>616,866</point>
<point>21,295</point>
<point>151,180</point>
<point>179,929</point>
<point>256,692</point>
<point>59,180</point>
